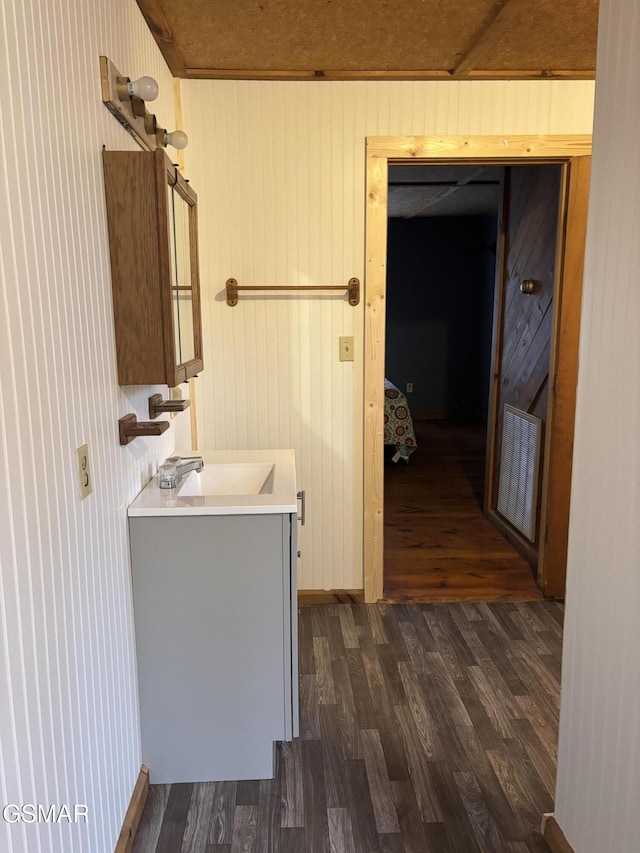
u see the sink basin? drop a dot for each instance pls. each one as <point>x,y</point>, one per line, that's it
<point>233,482</point>
<point>228,478</point>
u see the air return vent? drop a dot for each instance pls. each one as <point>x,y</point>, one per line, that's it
<point>519,465</point>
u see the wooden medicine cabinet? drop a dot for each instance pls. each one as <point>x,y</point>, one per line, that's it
<point>152,219</point>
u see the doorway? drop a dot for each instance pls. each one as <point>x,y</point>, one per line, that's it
<point>572,155</point>
<point>441,277</point>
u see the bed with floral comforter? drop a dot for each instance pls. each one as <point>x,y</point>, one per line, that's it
<point>398,425</point>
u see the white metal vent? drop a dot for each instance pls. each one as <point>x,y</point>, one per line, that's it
<point>519,465</point>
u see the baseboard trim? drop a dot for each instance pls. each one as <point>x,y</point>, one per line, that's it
<point>134,812</point>
<point>525,548</point>
<point>554,836</point>
<point>330,596</point>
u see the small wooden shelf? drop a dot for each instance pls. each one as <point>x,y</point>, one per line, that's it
<point>158,406</point>
<point>130,428</point>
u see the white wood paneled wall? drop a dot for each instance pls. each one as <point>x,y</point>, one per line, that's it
<point>598,788</point>
<point>280,172</point>
<point>68,699</point>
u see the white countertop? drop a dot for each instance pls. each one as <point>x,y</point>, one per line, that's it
<point>154,501</point>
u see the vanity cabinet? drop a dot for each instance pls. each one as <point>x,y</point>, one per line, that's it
<point>152,220</point>
<point>215,605</point>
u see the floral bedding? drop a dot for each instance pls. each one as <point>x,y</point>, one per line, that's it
<point>398,425</point>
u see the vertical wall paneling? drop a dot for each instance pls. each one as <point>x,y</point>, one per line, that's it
<point>280,172</point>
<point>68,709</point>
<point>599,747</point>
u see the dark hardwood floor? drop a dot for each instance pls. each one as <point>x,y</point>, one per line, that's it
<point>424,729</point>
<point>438,544</point>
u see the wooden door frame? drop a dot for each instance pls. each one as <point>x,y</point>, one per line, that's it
<point>381,151</point>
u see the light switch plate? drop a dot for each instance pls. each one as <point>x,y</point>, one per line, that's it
<point>346,348</point>
<point>84,471</point>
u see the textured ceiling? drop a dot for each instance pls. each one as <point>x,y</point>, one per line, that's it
<point>363,39</point>
<point>427,191</point>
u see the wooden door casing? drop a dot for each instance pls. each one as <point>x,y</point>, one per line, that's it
<point>558,468</point>
<point>569,151</point>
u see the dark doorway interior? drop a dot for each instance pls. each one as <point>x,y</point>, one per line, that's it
<point>440,294</point>
<point>440,281</point>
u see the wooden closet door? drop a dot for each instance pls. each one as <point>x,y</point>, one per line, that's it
<point>530,223</point>
<point>544,220</point>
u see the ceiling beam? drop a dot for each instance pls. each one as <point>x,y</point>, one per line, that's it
<point>494,28</point>
<point>542,74</point>
<point>157,23</point>
<point>255,74</point>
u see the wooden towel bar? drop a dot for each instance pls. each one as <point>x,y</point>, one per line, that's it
<point>352,288</point>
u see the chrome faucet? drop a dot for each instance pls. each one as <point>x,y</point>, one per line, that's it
<point>172,469</point>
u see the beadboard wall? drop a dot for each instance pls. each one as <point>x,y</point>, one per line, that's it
<point>68,700</point>
<point>280,173</point>
<point>598,786</point>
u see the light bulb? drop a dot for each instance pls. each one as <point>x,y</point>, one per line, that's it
<point>178,139</point>
<point>144,87</point>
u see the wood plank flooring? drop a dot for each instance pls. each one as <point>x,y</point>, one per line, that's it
<point>438,544</point>
<point>425,728</point>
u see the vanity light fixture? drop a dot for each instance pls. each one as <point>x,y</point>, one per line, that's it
<point>145,88</point>
<point>178,139</point>
<point>125,99</point>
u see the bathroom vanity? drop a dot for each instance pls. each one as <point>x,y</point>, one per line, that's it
<point>215,605</point>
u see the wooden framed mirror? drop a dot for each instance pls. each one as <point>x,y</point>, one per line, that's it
<point>153,242</point>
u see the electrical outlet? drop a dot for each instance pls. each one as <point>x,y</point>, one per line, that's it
<point>346,348</point>
<point>409,387</point>
<point>84,472</point>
